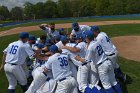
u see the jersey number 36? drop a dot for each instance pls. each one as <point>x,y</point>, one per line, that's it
<point>63,61</point>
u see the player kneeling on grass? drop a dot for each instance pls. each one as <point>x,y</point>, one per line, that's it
<point>60,67</point>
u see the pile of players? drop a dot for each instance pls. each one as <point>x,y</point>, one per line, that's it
<point>84,61</point>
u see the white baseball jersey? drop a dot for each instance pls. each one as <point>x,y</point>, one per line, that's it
<point>59,44</point>
<point>106,43</point>
<point>95,53</point>
<point>59,65</point>
<point>83,48</point>
<point>17,52</point>
<point>67,51</point>
<point>49,33</point>
<point>71,54</point>
<point>82,28</point>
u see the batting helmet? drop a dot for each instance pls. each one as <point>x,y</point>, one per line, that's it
<point>53,48</point>
<point>94,28</point>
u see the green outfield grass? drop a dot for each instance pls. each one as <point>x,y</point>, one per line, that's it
<point>131,68</point>
<point>69,21</point>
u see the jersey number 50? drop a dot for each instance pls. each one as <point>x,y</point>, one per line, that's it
<point>63,61</point>
<point>13,49</point>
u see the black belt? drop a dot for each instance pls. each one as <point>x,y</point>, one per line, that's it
<point>102,62</point>
<point>111,54</point>
<point>46,76</point>
<point>48,79</point>
<point>12,63</point>
<point>84,64</point>
<point>62,79</point>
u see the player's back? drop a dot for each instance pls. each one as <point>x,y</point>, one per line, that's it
<point>106,43</point>
<point>82,28</point>
<point>83,48</point>
<point>60,66</point>
<point>95,52</point>
<point>15,52</point>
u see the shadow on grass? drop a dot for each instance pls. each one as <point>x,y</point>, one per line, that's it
<point>124,85</point>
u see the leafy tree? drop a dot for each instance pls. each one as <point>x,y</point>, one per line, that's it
<point>116,7</point>
<point>88,8</point>
<point>39,10</point>
<point>17,13</point>
<point>75,7</point>
<point>4,12</point>
<point>29,12</point>
<point>133,6</point>
<point>64,8</point>
<point>102,7</point>
<point>50,9</point>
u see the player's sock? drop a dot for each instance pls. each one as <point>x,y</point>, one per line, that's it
<point>110,90</point>
<point>95,90</point>
<point>11,90</point>
<point>24,88</point>
<point>88,90</point>
<point>118,88</point>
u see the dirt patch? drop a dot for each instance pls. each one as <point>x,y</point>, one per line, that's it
<point>128,46</point>
<point>65,25</point>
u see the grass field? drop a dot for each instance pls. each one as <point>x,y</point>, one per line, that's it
<point>130,67</point>
<point>69,21</point>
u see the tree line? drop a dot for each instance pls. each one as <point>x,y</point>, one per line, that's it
<point>70,8</point>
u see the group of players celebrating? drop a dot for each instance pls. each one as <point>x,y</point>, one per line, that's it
<point>84,61</point>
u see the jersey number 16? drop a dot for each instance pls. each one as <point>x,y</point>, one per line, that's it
<point>13,49</point>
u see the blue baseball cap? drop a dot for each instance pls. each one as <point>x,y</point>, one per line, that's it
<point>89,34</point>
<point>48,42</point>
<point>32,37</point>
<point>61,30</point>
<point>53,48</point>
<point>63,38</point>
<point>40,45</point>
<point>79,36</point>
<point>57,37</point>
<point>23,35</point>
<point>94,28</point>
<point>75,25</point>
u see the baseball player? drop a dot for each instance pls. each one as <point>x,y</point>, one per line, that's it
<point>61,31</point>
<point>104,66</point>
<point>50,30</point>
<point>59,64</point>
<point>109,49</point>
<point>47,87</point>
<point>64,41</point>
<point>14,57</point>
<point>31,41</point>
<point>77,29</point>
<point>85,75</point>
<point>39,78</point>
